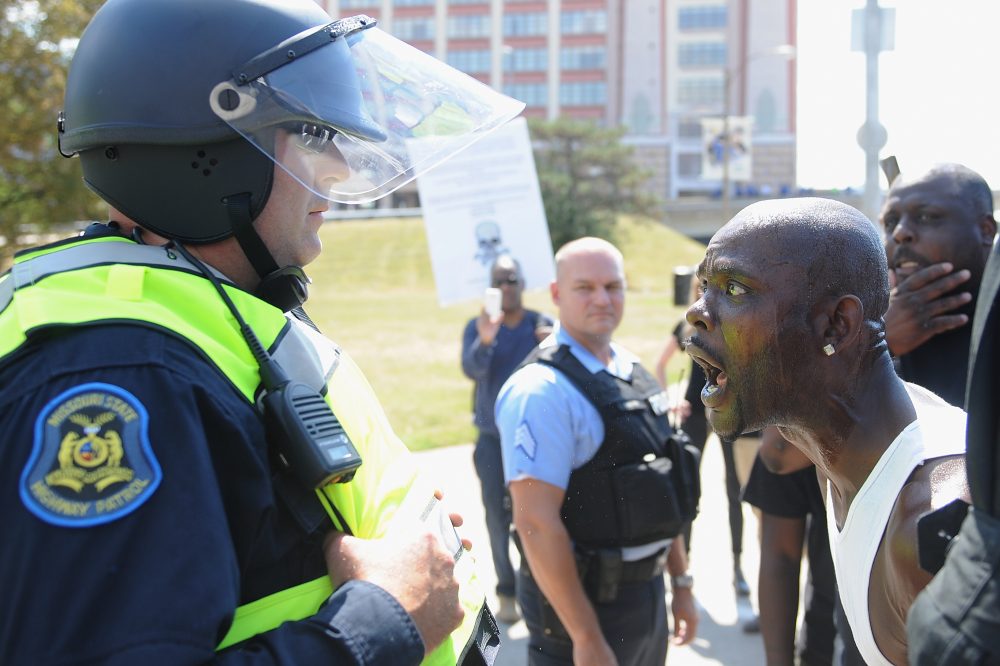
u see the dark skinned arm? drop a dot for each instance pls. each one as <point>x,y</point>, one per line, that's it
<point>778,585</point>
<point>932,485</point>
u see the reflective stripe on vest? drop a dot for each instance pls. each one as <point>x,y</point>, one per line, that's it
<point>105,280</point>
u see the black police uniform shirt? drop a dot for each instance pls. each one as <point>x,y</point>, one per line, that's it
<point>158,583</point>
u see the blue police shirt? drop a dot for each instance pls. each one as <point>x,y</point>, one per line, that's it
<point>547,426</point>
<point>158,583</point>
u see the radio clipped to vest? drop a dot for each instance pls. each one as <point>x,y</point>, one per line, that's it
<point>308,434</point>
<point>300,423</point>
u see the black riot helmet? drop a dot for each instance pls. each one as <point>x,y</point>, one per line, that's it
<point>174,107</point>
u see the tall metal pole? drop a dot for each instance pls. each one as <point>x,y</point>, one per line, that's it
<point>725,145</point>
<point>872,136</point>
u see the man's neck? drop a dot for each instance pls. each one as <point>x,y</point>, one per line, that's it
<point>513,318</point>
<point>224,256</point>
<point>599,347</point>
<point>850,434</point>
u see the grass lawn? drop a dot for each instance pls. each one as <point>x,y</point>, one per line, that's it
<point>373,293</point>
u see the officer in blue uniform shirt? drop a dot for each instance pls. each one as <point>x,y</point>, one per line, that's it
<point>587,456</point>
<point>181,479</point>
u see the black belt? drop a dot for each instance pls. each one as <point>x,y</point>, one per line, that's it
<point>644,569</point>
<point>608,565</point>
<point>603,570</point>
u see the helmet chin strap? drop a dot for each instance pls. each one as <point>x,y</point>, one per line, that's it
<point>285,288</point>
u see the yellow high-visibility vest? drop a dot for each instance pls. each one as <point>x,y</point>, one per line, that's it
<point>111,279</point>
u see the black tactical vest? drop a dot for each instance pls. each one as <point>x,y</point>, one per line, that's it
<point>641,485</point>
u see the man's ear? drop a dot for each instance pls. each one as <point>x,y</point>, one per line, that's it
<point>988,229</point>
<point>838,323</point>
<point>554,292</point>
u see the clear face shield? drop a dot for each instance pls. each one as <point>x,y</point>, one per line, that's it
<point>353,113</point>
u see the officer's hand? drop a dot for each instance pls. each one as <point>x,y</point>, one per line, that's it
<point>455,518</point>
<point>685,613</point>
<point>413,567</point>
<point>918,310</point>
<point>594,651</point>
<point>487,327</point>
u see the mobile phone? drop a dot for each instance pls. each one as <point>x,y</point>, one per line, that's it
<point>434,515</point>
<point>492,299</point>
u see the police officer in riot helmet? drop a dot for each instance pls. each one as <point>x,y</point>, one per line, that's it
<point>201,475</point>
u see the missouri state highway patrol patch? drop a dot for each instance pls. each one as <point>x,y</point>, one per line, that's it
<point>91,462</point>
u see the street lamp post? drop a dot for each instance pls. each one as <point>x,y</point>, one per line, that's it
<point>784,50</point>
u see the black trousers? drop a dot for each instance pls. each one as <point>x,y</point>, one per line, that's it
<point>634,624</point>
<point>696,427</point>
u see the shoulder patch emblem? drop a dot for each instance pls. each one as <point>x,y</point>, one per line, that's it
<point>91,462</point>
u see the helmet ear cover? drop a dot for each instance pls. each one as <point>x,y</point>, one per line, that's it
<point>178,191</point>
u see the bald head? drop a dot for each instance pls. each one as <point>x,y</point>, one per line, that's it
<point>505,262</point>
<point>583,247</point>
<point>589,291</point>
<point>837,247</point>
<point>957,181</point>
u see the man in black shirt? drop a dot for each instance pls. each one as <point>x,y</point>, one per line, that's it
<point>939,229</point>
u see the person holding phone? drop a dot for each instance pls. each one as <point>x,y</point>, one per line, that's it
<point>493,345</point>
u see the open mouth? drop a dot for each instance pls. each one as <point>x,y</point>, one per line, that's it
<point>906,268</point>
<point>715,377</point>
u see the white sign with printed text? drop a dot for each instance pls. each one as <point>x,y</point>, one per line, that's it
<point>480,204</point>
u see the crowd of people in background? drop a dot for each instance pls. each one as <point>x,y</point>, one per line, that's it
<point>197,474</point>
<point>830,359</point>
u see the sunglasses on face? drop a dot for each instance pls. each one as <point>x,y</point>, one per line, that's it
<point>499,282</point>
<point>314,138</point>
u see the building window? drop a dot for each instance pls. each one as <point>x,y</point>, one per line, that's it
<point>525,24</point>
<point>355,4</point>
<point>470,62</point>
<point>702,54</point>
<point>464,27</point>
<point>689,128</point>
<point>413,3</point>
<point>590,93</point>
<point>766,113</point>
<point>701,91</point>
<point>532,94</point>
<point>583,57</point>
<point>689,165</point>
<point>701,17</point>
<point>410,29</point>
<point>526,60</point>
<point>584,22</point>
<point>468,2</point>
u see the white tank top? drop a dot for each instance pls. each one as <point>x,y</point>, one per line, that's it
<point>938,431</point>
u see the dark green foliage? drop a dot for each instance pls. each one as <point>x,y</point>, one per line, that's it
<point>588,178</point>
<point>40,191</point>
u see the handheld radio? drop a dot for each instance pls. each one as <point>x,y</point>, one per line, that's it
<point>308,435</point>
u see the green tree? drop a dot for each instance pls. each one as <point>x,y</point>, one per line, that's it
<point>588,177</point>
<point>39,189</point>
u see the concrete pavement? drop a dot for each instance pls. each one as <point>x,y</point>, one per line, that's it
<point>720,639</point>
